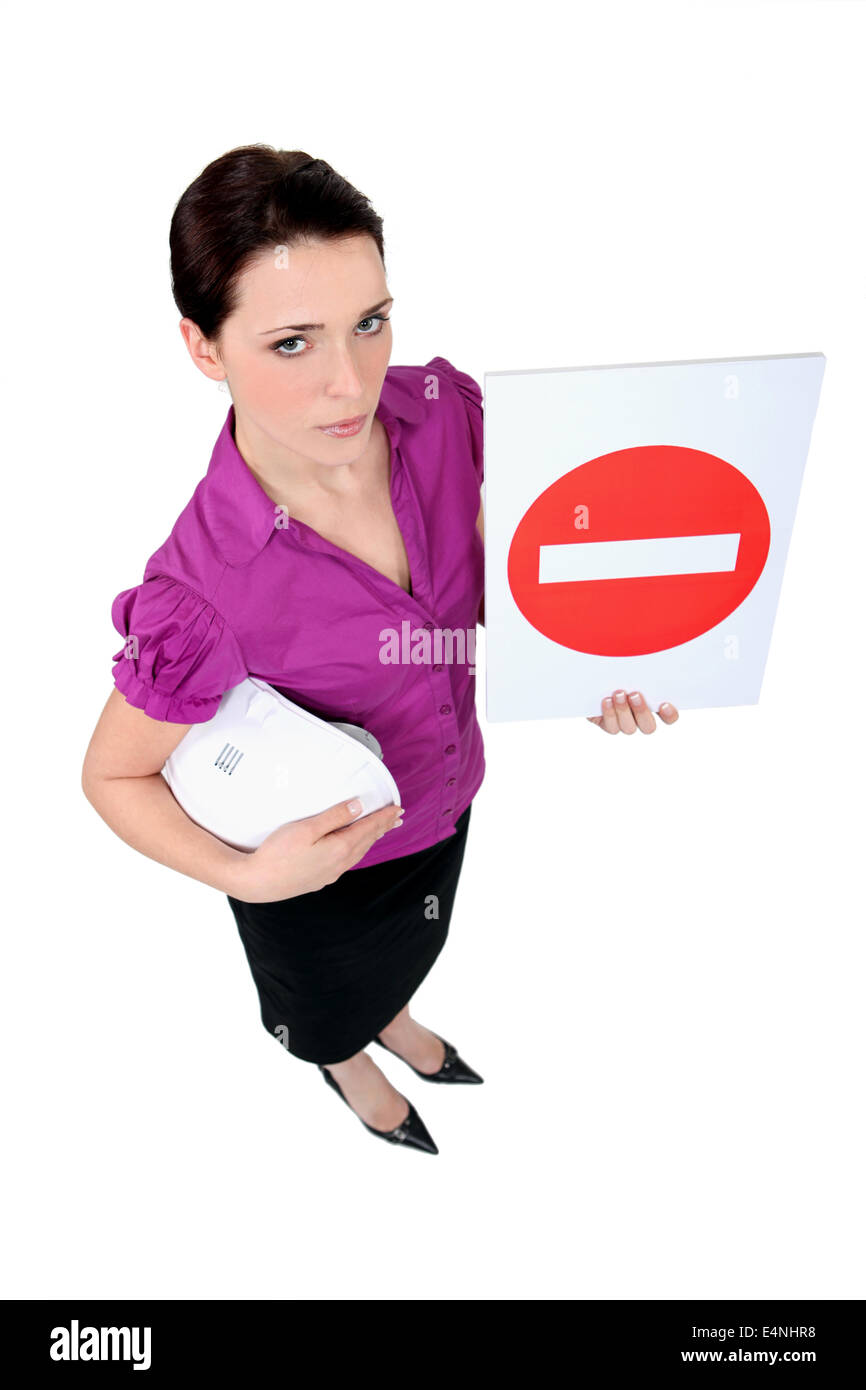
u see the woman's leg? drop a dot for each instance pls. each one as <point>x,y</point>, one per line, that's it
<point>369,1092</point>
<point>413,1042</point>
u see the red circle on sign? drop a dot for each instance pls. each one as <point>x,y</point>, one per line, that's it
<point>653,491</point>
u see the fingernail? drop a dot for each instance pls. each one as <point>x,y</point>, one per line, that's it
<point>620,697</point>
<point>635,695</point>
<point>353,807</point>
<point>666,705</point>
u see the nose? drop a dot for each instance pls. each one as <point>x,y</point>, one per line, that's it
<point>343,378</point>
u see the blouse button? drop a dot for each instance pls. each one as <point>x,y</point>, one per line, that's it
<point>444,709</point>
<point>429,626</point>
<point>451,748</point>
<point>451,781</point>
<point>447,811</point>
<point>438,667</point>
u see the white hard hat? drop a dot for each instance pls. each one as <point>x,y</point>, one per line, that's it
<point>262,761</point>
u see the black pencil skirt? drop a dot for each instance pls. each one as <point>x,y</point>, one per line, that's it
<point>333,967</point>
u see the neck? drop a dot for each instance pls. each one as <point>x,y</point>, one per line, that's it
<point>280,472</point>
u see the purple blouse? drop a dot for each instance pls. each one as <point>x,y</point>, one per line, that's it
<point>241,588</point>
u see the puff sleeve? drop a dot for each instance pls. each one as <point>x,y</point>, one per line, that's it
<point>470,393</point>
<point>179,656</point>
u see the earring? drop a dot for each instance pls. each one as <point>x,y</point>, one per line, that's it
<point>222,385</point>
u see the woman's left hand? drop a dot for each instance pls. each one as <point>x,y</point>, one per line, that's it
<point>625,712</point>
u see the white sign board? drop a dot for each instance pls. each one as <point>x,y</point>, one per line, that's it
<point>637,520</point>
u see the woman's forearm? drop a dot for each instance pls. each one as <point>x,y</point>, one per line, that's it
<point>144,814</point>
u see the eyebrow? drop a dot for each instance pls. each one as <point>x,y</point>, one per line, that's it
<point>308,327</point>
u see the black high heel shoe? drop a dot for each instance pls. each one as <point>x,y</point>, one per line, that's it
<point>453,1069</point>
<point>411,1132</point>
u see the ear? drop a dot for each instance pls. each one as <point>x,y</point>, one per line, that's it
<point>202,352</point>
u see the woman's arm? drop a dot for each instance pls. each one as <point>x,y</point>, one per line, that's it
<point>122,780</point>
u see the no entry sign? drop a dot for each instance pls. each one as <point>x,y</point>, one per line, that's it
<point>637,523</point>
<point>638,550</point>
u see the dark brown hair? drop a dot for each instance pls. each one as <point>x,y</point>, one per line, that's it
<point>252,198</point>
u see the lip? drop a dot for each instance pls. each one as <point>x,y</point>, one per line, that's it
<point>345,427</point>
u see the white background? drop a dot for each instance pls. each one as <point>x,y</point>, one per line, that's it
<point>656,958</point>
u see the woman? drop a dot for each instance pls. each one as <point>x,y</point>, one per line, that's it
<point>341,510</point>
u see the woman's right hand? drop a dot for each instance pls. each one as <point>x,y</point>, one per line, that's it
<point>303,855</point>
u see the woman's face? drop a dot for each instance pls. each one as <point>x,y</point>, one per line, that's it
<point>308,345</point>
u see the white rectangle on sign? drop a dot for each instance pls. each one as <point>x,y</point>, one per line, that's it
<point>637,522</point>
<point>631,559</point>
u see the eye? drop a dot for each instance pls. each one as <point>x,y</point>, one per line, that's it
<point>278,347</point>
<point>380,319</point>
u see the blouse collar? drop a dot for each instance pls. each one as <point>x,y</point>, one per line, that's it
<point>240,515</point>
